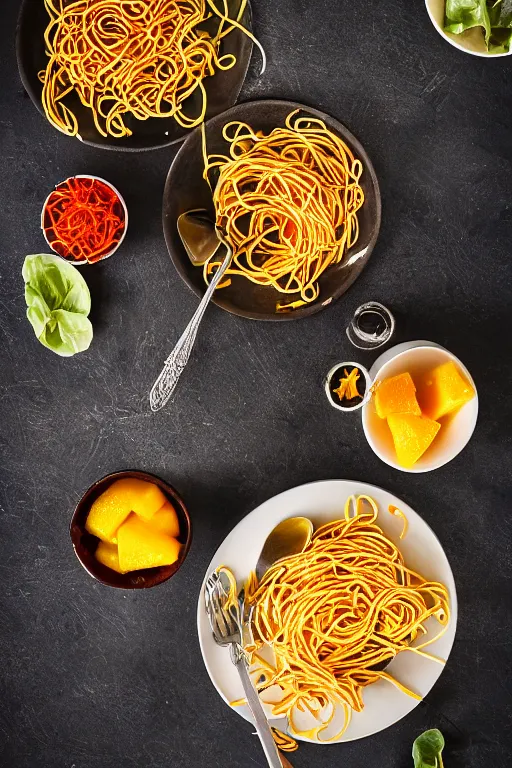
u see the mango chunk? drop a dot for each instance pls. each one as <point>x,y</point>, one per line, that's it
<point>396,395</point>
<point>412,435</point>
<point>445,390</point>
<point>143,498</point>
<point>166,520</point>
<point>115,504</point>
<point>107,513</point>
<point>108,555</point>
<point>142,546</point>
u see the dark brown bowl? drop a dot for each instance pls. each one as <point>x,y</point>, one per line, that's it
<point>85,543</point>
<point>185,189</point>
<point>222,89</point>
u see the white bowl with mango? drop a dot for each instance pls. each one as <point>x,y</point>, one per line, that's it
<point>423,407</point>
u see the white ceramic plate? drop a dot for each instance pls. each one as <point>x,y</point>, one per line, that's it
<point>323,502</point>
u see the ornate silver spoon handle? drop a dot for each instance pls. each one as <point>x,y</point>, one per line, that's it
<point>166,383</point>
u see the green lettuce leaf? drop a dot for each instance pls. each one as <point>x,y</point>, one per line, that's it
<point>58,302</point>
<point>494,16</point>
<point>466,14</point>
<point>500,15</point>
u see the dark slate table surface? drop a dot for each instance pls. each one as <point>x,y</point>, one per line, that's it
<point>92,677</point>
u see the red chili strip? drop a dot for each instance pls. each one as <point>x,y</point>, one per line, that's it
<point>83,219</point>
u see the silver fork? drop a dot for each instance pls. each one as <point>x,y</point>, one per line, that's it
<point>225,622</point>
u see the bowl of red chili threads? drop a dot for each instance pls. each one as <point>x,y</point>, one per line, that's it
<point>84,219</point>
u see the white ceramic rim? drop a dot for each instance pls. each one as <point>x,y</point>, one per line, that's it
<point>367,393</point>
<point>452,41</point>
<point>269,514</point>
<point>380,364</point>
<point>121,200</point>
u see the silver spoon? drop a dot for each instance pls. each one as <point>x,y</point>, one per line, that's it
<point>203,245</point>
<point>198,235</point>
<point>289,537</point>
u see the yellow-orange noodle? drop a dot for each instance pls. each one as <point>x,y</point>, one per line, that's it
<point>287,204</point>
<point>139,58</point>
<point>337,614</point>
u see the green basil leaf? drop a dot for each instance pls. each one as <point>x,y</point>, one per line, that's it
<point>69,333</point>
<point>427,748</point>
<point>58,302</point>
<point>466,14</point>
<point>60,284</point>
<point>37,312</point>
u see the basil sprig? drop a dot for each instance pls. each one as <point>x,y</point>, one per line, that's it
<point>427,749</point>
<point>58,302</point>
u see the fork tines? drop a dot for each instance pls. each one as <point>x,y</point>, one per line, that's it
<point>224,622</point>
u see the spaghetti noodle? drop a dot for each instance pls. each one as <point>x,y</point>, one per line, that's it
<point>337,614</point>
<point>286,203</point>
<point>142,58</point>
<point>283,741</point>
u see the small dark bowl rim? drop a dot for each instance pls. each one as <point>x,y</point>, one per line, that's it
<point>36,99</point>
<point>140,580</point>
<point>319,304</point>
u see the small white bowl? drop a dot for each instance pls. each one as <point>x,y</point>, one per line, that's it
<point>419,357</point>
<point>123,205</point>
<point>367,386</point>
<point>471,41</point>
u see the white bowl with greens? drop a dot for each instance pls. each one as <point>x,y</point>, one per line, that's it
<point>479,27</point>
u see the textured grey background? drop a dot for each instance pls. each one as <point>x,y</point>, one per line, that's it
<point>94,678</point>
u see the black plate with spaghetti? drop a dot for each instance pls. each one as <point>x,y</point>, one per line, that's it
<point>222,89</point>
<point>186,190</point>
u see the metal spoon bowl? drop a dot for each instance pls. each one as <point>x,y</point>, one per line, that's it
<point>198,235</point>
<point>289,537</point>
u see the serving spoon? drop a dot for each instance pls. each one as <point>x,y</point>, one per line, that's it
<point>201,240</point>
<point>289,537</point>
<point>198,235</point>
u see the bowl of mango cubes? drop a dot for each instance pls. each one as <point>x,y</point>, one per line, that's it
<point>131,530</point>
<point>423,407</point>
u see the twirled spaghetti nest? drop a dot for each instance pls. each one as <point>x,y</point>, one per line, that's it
<point>337,614</point>
<point>287,204</point>
<point>130,57</point>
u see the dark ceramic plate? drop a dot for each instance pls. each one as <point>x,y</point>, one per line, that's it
<point>186,189</point>
<point>85,543</point>
<point>222,89</point>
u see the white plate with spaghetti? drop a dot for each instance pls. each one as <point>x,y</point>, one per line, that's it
<point>378,620</point>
